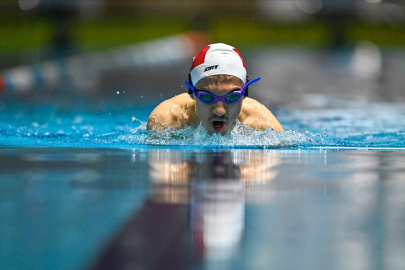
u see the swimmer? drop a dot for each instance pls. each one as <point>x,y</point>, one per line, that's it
<point>218,89</point>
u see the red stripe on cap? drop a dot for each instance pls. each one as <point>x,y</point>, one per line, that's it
<point>200,57</point>
<point>243,62</point>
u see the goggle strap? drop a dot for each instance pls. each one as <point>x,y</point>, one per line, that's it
<point>251,82</point>
<point>190,86</point>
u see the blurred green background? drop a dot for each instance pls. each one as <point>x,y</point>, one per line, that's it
<point>29,26</point>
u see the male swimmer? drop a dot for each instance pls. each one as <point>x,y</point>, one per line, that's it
<point>218,89</point>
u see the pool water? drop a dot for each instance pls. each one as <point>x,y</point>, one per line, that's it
<point>120,124</point>
<point>98,191</point>
<point>83,185</point>
<point>176,208</point>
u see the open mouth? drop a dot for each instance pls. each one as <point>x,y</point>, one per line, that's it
<point>218,126</point>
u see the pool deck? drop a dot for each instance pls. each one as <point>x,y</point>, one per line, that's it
<point>168,208</point>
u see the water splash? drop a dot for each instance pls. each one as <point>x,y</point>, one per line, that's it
<point>241,136</point>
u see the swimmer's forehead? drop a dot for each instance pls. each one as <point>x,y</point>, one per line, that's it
<point>216,80</point>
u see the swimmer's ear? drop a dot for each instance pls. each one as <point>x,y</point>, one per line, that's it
<point>190,92</point>
<point>247,88</point>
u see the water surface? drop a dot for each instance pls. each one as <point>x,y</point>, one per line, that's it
<point>122,124</point>
<point>175,208</point>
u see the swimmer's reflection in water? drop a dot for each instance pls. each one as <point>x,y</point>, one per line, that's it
<point>172,172</point>
<point>213,185</point>
<point>218,168</point>
<point>196,209</point>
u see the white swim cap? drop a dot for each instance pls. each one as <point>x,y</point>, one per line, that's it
<point>217,59</point>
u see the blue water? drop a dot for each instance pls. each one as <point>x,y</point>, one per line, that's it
<point>311,209</point>
<point>119,123</point>
<point>51,218</point>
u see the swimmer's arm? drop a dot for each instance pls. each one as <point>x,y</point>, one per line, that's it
<point>171,113</point>
<point>258,116</point>
<point>157,121</point>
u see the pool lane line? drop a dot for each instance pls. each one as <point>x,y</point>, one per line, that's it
<point>360,148</point>
<point>81,71</point>
<point>157,236</point>
<point>2,85</point>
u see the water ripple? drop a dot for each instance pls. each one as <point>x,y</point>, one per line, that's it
<point>356,126</point>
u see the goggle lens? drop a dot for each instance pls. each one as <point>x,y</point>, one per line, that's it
<point>233,97</point>
<point>206,98</point>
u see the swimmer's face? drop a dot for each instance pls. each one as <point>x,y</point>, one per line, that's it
<point>218,117</point>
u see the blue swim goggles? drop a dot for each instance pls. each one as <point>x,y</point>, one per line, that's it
<point>232,97</point>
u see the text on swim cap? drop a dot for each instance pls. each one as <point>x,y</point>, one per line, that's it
<point>211,67</point>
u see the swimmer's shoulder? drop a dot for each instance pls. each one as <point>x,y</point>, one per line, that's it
<point>258,116</point>
<point>173,112</point>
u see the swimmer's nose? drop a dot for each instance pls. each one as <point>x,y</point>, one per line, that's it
<point>219,108</point>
